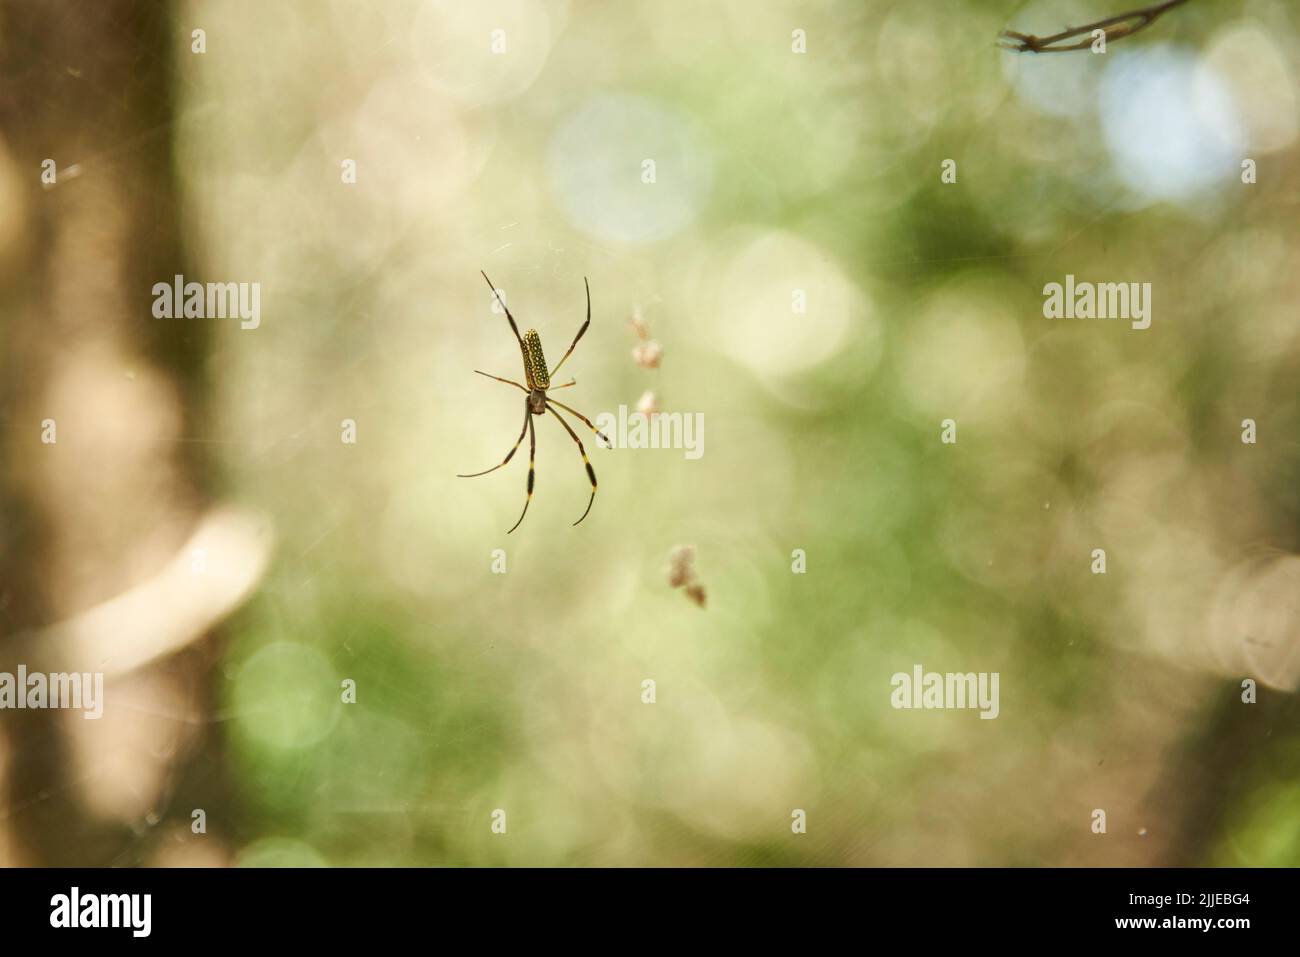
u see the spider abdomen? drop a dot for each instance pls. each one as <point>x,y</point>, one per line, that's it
<point>535,361</point>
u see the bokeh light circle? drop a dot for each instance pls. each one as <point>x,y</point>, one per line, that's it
<point>487,51</point>
<point>285,697</point>
<point>597,165</point>
<point>765,284</point>
<point>1171,127</point>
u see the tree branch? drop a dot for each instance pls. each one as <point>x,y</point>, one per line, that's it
<point>1123,24</point>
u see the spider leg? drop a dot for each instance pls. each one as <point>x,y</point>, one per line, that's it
<point>514,327</point>
<point>566,385</point>
<point>527,416</point>
<point>587,421</point>
<point>591,473</point>
<point>507,381</point>
<point>532,454</point>
<point>580,331</point>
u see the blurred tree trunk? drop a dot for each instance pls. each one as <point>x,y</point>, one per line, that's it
<point>112,501</point>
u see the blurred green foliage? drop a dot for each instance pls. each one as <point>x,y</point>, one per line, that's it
<point>820,171</point>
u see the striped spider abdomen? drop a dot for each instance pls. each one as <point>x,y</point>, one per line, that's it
<point>535,361</point>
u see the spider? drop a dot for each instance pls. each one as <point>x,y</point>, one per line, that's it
<point>539,403</point>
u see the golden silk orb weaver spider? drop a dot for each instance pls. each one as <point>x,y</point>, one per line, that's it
<point>537,402</point>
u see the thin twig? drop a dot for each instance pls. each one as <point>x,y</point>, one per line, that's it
<point>1125,25</point>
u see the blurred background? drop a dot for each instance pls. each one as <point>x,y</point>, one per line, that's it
<point>201,532</point>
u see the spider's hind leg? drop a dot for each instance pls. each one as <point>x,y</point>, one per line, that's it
<point>591,473</point>
<point>585,421</point>
<point>532,455</point>
<point>511,453</point>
